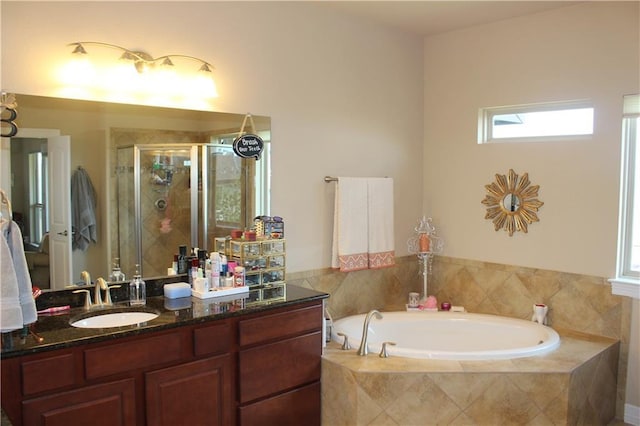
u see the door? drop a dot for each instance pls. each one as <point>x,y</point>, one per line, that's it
<point>59,154</point>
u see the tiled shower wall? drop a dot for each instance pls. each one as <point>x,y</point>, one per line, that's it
<point>576,302</point>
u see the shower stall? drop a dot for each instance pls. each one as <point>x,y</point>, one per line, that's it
<point>182,194</point>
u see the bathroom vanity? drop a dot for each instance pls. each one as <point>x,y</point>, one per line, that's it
<point>207,362</point>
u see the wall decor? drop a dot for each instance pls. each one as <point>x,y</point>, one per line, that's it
<point>512,202</point>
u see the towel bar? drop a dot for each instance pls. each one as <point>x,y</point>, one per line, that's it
<point>335,179</point>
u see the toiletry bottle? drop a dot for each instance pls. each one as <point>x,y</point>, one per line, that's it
<point>116,273</point>
<point>202,259</point>
<point>182,260</point>
<point>174,264</point>
<point>193,271</point>
<point>228,281</point>
<point>238,276</point>
<point>215,270</point>
<point>137,290</point>
<point>223,265</point>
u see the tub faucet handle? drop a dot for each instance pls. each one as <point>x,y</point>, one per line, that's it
<point>383,352</point>
<point>345,345</point>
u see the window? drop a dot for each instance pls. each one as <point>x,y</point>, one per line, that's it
<point>38,205</point>
<point>627,282</point>
<point>535,122</point>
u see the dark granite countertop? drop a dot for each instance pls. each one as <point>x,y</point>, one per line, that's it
<point>55,331</point>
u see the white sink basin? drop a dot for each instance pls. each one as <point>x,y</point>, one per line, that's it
<point>118,319</point>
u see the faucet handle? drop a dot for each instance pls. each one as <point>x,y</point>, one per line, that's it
<point>383,352</point>
<point>345,345</point>
<point>87,299</point>
<point>107,297</point>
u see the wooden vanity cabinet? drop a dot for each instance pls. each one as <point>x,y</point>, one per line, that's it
<point>256,369</point>
<point>177,376</point>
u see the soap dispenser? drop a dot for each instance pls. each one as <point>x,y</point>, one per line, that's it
<point>137,289</point>
<point>116,273</point>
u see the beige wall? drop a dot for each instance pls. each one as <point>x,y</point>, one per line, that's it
<point>345,97</point>
<point>585,51</point>
<point>588,51</point>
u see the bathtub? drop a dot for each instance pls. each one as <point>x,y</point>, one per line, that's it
<point>450,335</point>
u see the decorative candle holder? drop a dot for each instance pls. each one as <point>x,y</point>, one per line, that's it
<point>425,243</point>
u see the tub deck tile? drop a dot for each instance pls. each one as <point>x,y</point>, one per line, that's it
<point>557,388</point>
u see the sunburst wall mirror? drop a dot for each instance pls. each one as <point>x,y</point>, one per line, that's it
<point>512,202</point>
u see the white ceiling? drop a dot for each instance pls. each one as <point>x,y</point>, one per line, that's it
<point>432,17</point>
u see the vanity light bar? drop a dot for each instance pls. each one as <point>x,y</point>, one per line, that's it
<point>141,60</point>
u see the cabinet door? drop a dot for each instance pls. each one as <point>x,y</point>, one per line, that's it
<point>196,393</point>
<point>109,404</point>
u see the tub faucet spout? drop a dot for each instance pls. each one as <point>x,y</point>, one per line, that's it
<point>364,349</point>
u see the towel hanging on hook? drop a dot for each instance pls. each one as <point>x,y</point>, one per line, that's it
<point>5,202</point>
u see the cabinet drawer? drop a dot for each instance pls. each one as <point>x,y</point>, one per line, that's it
<point>212,339</point>
<point>297,407</point>
<point>272,368</point>
<point>130,356</point>
<point>48,373</point>
<point>106,404</point>
<point>285,324</point>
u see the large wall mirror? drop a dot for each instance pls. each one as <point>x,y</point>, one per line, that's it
<point>162,177</point>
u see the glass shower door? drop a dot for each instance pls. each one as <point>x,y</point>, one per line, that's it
<point>156,205</point>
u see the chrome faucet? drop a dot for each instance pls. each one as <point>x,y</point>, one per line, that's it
<point>364,348</point>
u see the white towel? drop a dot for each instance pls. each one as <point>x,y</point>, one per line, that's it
<point>363,224</point>
<point>17,305</point>
<point>350,238</point>
<point>380,232</point>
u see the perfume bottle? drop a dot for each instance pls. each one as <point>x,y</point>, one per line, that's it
<point>116,273</point>
<point>137,289</point>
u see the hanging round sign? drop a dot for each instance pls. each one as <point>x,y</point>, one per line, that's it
<point>248,146</point>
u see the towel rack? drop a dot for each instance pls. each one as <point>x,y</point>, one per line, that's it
<point>335,179</point>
